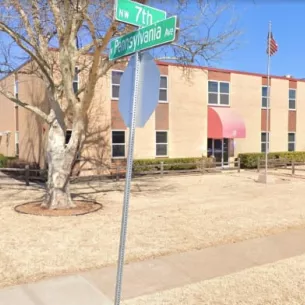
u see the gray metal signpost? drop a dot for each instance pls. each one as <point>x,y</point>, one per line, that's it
<point>153,35</point>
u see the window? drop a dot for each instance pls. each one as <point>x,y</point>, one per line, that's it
<point>264,141</point>
<point>163,89</point>
<point>68,137</point>
<point>265,96</point>
<point>219,93</point>
<point>118,144</point>
<point>115,83</point>
<point>291,141</point>
<point>76,80</point>
<point>161,143</point>
<point>292,99</point>
<point>115,86</point>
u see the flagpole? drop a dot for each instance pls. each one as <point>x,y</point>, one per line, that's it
<point>268,102</point>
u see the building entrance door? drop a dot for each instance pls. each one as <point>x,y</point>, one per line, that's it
<point>219,148</point>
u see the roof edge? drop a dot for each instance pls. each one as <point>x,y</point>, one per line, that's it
<point>163,63</point>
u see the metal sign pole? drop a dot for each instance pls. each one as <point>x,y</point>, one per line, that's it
<point>118,288</point>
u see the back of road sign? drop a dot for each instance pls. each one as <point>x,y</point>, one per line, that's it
<point>148,95</point>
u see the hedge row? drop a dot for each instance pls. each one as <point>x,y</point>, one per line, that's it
<point>249,160</point>
<point>4,161</point>
<point>144,165</point>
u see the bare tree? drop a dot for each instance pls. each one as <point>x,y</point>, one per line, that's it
<point>31,29</point>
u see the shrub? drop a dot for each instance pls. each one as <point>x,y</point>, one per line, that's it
<point>144,165</point>
<point>249,160</point>
<point>4,161</point>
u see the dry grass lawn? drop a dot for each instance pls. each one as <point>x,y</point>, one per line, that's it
<point>281,283</point>
<point>173,214</point>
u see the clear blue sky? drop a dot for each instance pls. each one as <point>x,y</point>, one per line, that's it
<point>288,27</point>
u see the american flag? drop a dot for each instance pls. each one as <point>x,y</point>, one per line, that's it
<point>273,45</point>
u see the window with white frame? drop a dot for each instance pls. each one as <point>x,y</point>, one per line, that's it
<point>219,93</point>
<point>115,83</point>
<point>292,99</point>
<point>265,96</point>
<point>264,141</point>
<point>76,80</point>
<point>291,141</point>
<point>118,144</point>
<point>163,89</point>
<point>161,143</point>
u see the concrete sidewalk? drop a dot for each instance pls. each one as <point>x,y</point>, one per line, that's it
<point>97,287</point>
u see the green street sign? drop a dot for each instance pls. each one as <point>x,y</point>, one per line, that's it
<point>137,14</point>
<point>148,37</point>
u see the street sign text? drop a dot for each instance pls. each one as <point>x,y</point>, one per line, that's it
<point>137,14</point>
<point>151,36</point>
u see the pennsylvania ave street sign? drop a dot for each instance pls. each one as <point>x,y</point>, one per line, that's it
<point>148,37</point>
<point>137,14</point>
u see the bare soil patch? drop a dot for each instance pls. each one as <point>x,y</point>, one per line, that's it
<point>81,208</point>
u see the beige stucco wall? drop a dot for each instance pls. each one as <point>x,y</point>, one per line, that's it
<point>187,113</point>
<point>32,136</point>
<point>300,133</point>
<point>7,119</point>
<point>279,115</point>
<point>97,149</point>
<point>145,141</point>
<point>245,99</point>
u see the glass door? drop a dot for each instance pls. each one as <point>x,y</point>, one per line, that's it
<point>225,150</point>
<point>218,151</point>
<point>219,148</point>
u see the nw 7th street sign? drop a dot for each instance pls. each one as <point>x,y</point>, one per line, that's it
<point>151,36</point>
<point>137,14</point>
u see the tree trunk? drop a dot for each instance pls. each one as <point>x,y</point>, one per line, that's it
<point>60,161</point>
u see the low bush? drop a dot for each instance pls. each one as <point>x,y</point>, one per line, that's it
<point>145,165</point>
<point>249,160</point>
<point>4,161</point>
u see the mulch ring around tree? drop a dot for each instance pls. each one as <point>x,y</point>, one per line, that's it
<point>82,207</point>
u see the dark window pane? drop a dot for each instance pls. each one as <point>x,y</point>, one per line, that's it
<point>213,98</point>
<point>263,147</point>
<point>264,102</point>
<point>118,137</point>
<point>291,104</point>
<point>292,93</point>
<point>75,87</point>
<point>68,136</point>
<point>116,77</point>
<point>163,95</point>
<point>163,82</point>
<point>291,137</point>
<point>224,87</point>
<point>115,91</point>
<point>76,74</point>
<point>224,99</point>
<point>263,137</point>
<point>291,146</point>
<point>161,137</point>
<point>264,91</point>
<point>213,87</point>
<point>118,150</point>
<point>161,150</point>
<point>17,149</point>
